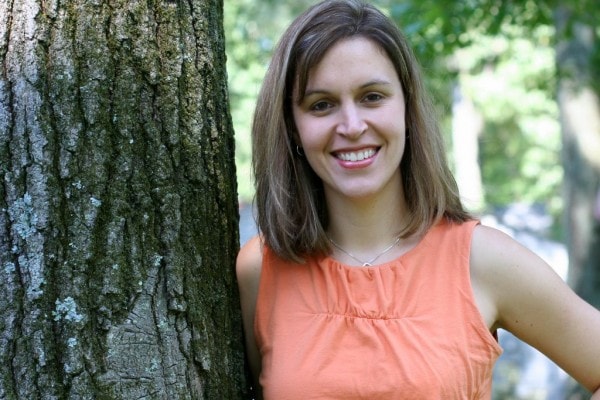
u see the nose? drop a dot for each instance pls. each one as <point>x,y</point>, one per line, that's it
<point>351,123</point>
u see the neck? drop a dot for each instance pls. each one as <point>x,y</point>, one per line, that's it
<point>365,226</point>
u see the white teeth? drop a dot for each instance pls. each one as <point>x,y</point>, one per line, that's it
<point>356,156</point>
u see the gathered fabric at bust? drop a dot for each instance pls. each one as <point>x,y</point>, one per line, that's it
<point>407,329</point>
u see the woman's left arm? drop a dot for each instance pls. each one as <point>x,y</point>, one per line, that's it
<point>531,301</point>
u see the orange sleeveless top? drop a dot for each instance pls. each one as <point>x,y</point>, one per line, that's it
<point>407,329</point>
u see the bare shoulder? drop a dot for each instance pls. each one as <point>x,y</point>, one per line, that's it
<point>490,245</point>
<point>506,268</point>
<point>497,259</point>
<point>510,273</point>
<point>249,261</point>
<point>530,300</point>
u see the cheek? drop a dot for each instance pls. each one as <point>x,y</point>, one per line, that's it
<point>311,135</point>
<point>301,130</point>
<point>314,146</point>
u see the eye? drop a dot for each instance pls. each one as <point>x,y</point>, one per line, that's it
<point>320,106</point>
<point>372,98</point>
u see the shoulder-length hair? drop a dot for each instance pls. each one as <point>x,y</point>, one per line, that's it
<point>291,211</point>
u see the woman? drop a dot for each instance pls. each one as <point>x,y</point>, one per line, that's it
<point>369,280</point>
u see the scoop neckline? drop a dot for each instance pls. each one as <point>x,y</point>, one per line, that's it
<point>420,243</point>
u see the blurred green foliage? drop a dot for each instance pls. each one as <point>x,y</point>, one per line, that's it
<point>252,29</point>
<point>513,86</point>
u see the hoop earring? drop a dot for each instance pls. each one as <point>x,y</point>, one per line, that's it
<point>299,151</point>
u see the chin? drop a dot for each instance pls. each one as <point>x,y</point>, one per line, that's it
<point>359,193</point>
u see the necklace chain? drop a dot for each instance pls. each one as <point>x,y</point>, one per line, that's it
<point>371,261</point>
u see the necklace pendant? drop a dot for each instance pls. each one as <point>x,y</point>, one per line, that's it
<point>371,261</point>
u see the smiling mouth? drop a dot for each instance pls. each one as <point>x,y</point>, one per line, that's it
<point>356,155</point>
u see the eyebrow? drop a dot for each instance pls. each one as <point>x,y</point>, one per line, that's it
<point>374,82</point>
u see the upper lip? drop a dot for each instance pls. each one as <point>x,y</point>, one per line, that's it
<point>355,149</point>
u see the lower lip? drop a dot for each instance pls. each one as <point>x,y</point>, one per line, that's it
<point>356,164</point>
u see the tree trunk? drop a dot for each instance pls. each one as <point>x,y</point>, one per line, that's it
<point>580,122</point>
<point>118,209</point>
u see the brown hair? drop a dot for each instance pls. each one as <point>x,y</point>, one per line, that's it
<point>291,211</point>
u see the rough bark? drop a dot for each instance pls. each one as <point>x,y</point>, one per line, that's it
<point>118,209</point>
<point>579,106</point>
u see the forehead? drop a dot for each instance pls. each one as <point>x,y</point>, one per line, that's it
<point>356,52</point>
<point>352,58</point>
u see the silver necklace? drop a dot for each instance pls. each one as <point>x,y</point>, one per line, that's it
<point>371,261</point>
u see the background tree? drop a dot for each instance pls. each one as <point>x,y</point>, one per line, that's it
<point>118,216</point>
<point>578,62</point>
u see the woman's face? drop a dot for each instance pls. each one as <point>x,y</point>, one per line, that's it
<point>351,120</point>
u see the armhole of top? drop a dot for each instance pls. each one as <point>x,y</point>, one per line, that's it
<point>481,326</point>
